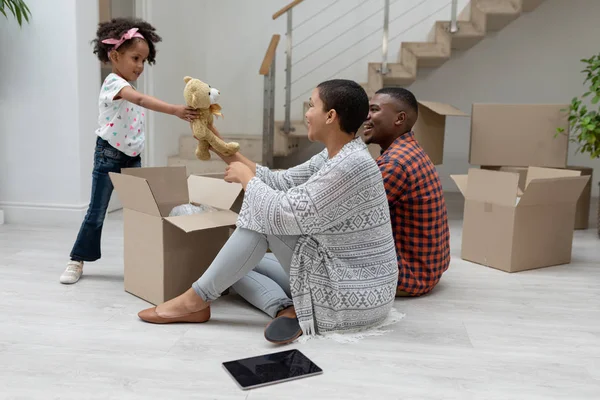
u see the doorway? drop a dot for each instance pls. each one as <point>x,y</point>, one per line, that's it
<point>110,9</point>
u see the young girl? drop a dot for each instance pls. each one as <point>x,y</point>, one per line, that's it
<point>127,44</point>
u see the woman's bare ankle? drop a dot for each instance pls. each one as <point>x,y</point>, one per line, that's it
<point>187,303</point>
<point>193,302</point>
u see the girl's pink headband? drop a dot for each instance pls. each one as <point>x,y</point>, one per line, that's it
<point>130,34</point>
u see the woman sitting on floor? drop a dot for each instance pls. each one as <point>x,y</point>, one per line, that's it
<point>326,221</point>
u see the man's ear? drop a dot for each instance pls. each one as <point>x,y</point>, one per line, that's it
<point>401,118</point>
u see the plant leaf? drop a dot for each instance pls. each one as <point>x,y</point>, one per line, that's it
<point>19,15</point>
<point>26,11</point>
<point>596,99</point>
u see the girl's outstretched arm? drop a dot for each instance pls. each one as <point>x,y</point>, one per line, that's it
<point>152,103</point>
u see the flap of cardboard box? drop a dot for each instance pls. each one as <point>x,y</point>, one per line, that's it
<point>462,183</point>
<point>213,192</point>
<point>548,173</point>
<point>491,187</point>
<point>135,193</point>
<point>208,220</point>
<point>443,109</point>
<point>583,170</point>
<point>168,184</point>
<point>554,191</point>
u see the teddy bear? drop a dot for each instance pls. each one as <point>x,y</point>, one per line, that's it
<point>202,97</point>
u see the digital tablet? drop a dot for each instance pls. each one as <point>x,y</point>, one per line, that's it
<point>269,369</point>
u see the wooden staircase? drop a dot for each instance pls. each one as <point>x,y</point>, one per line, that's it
<point>479,18</point>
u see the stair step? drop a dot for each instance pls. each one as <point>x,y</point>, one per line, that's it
<point>398,75</point>
<point>250,146</point>
<point>468,34</point>
<point>497,13</point>
<point>428,54</point>
<point>530,5</point>
<point>499,6</point>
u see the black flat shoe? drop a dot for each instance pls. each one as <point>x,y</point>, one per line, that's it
<point>283,330</point>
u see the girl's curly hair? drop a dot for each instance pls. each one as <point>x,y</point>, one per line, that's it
<point>115,28</point>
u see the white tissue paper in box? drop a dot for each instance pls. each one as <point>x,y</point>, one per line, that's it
<point>189,209</point>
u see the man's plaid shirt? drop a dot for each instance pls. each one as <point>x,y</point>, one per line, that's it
<point>418,213</point>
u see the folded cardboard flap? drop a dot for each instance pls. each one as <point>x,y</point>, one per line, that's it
<point>554,191</point>
<point>168,184</point>
<point>462,181</point>
<point>546,173</point>
<point>443,109</point>
<point>213,192</point>
<point>135,193</point>
<point>197,222</point>
<point>489,184</point>
<point>430,128</point>
<point>492,187</point>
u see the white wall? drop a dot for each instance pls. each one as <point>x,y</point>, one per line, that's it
<point>183,28</point>
<point>533,60</point>
<point>224,44</point>
<point>49,83</point>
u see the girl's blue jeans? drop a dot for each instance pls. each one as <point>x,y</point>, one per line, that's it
<point>106,159</point>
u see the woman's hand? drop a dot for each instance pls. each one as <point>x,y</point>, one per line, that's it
<point>186,113</point>
<point>238,172</point>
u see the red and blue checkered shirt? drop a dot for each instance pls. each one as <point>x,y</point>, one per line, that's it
<point>418,213</point>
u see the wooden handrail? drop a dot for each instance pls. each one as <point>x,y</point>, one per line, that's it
<point>266,64</point>
<point>286,8</point>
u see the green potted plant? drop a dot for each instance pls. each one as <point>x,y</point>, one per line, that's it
<point>584,115</point>
<point>17,8</point>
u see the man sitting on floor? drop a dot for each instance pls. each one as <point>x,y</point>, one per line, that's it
<point>414,191</point>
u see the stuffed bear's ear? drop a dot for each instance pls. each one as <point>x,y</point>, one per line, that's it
<point>187,79</point>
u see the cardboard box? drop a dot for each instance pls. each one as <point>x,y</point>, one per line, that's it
<point>431,127</point>
<point>582,213</point>
<point>165,255</point>
<point>518,135</point>
<point>514,233</point>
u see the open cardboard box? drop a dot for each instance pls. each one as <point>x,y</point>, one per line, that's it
<point>165,255</point>
<point>519,135</point>
<point>513,230</point>
<point>582,213</point>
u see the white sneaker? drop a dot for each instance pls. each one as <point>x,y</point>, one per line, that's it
<point>72,273</point>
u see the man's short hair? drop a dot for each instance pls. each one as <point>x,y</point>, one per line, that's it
<point>403,96</point>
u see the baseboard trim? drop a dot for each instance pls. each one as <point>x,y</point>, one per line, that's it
<point>43,213</point>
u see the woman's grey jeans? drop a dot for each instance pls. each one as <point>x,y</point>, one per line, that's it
<point>243,263</point>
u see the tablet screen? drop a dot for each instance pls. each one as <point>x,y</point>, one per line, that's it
<point>271,368</point>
